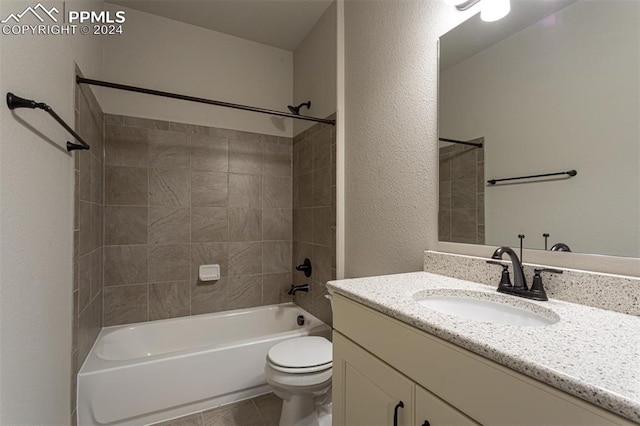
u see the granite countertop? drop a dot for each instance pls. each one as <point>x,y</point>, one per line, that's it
<point>590,353</point>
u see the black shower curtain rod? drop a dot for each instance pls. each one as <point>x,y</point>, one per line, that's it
<point>82,80</point>
<point>476,144</point>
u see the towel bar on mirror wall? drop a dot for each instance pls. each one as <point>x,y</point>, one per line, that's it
<point>570,173</point>
<point>475,144</point>
<point>14,102</point>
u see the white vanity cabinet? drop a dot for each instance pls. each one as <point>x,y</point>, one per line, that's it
<point>372,393</point>
<point>380,361</point>
<point>436,412</point>
<point>370,389</point>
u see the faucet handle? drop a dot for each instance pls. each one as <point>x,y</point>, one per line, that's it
<point>537,288</point>
<point>537,271</point>
<point>305,267</point>
<point>505,279</point>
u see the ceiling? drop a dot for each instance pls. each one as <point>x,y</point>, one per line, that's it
<point>279,23</point>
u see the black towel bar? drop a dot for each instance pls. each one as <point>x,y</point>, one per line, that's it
<point>14,102</point>
<point>570,173</point>
<point>476,144</point>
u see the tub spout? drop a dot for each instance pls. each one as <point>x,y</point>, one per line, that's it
<point>296,288</point>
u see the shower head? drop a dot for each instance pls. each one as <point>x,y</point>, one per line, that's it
<point>296,110</point>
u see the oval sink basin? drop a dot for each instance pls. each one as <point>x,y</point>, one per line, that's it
<point>477,306</point>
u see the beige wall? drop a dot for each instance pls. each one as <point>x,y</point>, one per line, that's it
<point>36,223</point>
<point>167,55</point>
<point>314,70</point>
<point>390,132</point>
<point>597,134</point>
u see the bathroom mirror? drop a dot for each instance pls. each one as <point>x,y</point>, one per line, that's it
<point>553,87</point>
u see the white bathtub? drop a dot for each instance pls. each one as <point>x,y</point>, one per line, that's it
<point>148,372</point>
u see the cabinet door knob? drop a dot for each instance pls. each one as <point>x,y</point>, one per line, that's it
<point>426,423</point>
<point>395,412</point>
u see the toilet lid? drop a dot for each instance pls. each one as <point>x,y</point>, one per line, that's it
<point>302,352</point>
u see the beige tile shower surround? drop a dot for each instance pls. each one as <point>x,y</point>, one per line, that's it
<point>155,199</point>
<point>461,203</point>
<point>178,196</point>
<point>88,232</point>
<point>314,215</point>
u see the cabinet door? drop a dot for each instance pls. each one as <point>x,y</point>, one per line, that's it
<point>366,391</point>
<point>436,412</point>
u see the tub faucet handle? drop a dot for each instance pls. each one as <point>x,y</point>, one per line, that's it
<point>305,267</point>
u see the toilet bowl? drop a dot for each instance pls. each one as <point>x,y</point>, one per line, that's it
<point>299,372</point>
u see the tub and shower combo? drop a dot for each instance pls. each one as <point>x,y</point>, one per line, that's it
<point>148,372</point>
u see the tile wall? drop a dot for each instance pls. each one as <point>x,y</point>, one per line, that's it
<point>314,214</point>
<point>88,232</point>
<point>178,196</point>
<point>461,211</point>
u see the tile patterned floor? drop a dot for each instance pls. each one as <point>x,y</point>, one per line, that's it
<point>263,410</point>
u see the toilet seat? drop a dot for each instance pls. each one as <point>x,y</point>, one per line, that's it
<point>301,355</point>
<point>303,370</point>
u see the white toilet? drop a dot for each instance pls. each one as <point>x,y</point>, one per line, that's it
<point>299,372</point>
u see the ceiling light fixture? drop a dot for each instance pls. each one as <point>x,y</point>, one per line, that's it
<point>463,5</point>
<point>493,10</point>
<point>490,10</point>
<point>456,2</point>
